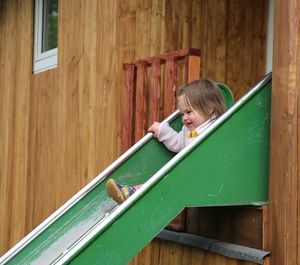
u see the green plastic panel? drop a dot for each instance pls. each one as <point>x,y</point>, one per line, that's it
<point>227,167</point>
<point>227,94</point>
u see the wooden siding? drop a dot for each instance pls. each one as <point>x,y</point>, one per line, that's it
<point>60,128</point>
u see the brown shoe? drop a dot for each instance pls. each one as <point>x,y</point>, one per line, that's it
<point>114,191</point>
<point>125,192</point>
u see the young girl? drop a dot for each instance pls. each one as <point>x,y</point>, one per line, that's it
<point>200,103</point>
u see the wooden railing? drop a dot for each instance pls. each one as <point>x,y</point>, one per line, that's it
<point>150,90</point>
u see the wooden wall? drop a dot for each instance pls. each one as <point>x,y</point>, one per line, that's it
<point>60,128</point>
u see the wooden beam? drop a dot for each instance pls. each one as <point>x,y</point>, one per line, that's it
<point>127,109</point>
<point>155,90</point>
<point>164,57</point>
<point>285,148</point>
<point>170,86</point>
<point>192,68</point>
<point>140,101</point>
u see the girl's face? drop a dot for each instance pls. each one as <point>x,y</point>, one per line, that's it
<point>191,118</point>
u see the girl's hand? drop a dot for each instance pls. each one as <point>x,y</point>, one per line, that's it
<point>154,128</point>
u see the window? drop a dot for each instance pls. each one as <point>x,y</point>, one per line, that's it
<point>45,36</point>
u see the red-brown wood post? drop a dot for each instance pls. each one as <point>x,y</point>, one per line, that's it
<point>127,109</point>
<point>140,101</point>
<point>192,68</point>
<point>170,85</point>
<point>155,90</point>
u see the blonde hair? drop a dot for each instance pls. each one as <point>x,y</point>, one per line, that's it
<point>204,95</point>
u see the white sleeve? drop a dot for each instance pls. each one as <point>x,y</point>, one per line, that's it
<point>173,140</point>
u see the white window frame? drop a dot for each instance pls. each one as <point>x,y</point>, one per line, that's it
<point>42,61</point>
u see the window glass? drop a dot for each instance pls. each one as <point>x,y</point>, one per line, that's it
<point>50,25</point>
<point>46,32</point>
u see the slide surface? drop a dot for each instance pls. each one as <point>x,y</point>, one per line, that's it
<point>227,165</point>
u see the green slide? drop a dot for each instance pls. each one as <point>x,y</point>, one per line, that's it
<point>227,165</point>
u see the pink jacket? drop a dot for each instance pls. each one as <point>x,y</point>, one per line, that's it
<point>176,141</point>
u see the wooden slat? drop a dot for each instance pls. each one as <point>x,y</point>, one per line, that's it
<point>15,90</point>
<point>127,110</point>
<point>180,54</point>
<point>170,85</point>
<point>140,101</point>
<point>219,37</point>
<point>265,227</point>
<point>155,90</point>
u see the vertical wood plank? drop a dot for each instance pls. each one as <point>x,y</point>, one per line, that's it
<point>21,121</point>
<point>209,15</point>
<point>196,21</point>
<point>127,109</point>
<point>108,94</point>
<point>220,40</point>
<point>14,119</point>
<point>157,29</point>
<point>236,23</point>
<point>7,127</point>
<point>265,227</point>
<point>143,27</point>
<point>88,100</point>
<point>155,90</point>
<point>184,10</point>
<point>170,86</point>
<point>126,32</point>
<point>192,68</point>
<point>140,101</point>
<point>285,149</point>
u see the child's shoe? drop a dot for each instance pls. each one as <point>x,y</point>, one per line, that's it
<point>127,191</point>
<point>118,192</point>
